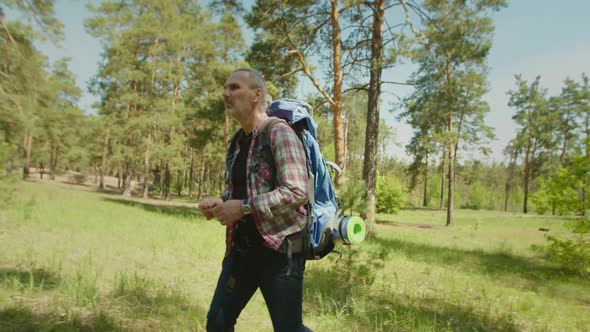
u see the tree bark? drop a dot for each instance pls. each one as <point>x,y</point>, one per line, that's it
<point>179,183</point>
<point>346,128</point>
<point>103,161</point>
<point>451,177</point>
<point>201,173</point>
<point>527,175</point>
<point>127,178</point>
<point>451,150</point>
<point>191,174</point>
<point>146,165</point>
<point>167,178</point>
<point>27,142</point>
<point>53,162</point>
<point>372,129</point>
<point>442,179</point>
<point>508,185</point>
<point>337,106</point>
<point>425,199</point>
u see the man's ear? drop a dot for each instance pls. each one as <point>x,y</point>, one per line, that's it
<point>257,95</point>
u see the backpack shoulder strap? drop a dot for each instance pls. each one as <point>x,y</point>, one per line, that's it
<point>265,142</point>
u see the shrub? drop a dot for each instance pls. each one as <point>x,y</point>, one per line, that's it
<point>7,179</point>
<point>391,194</point>
<point>352,195</point>
<point>573,253</point>
<point>477,197</point>
<point>559,193</point>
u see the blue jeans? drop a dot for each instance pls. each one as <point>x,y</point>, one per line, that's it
<point>280,281</point>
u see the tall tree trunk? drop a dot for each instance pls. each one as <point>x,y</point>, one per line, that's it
<point>103,160</point>
<point>53,162</point>
<point>451,175</point>
<point>563,149</point>
<point>127,179</point>
<point>179,183</point>
<point>337,69</point>
<point>161,177</point>
<point>442,179</point>
<point>425,199</point>
<point>95,168</point>
<point>191,174</point>
<point>508,185</point>
<point>146,165</point>
<point>201,173</point>
<point>372,129</point>
<point>167,180</point>
<point>27,142</point>
<point>346,127</point>
<point>527,176</point>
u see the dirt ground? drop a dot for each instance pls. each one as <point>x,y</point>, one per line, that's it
<point>78,181</point>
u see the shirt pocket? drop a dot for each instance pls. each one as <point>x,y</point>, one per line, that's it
<point>262,173</point>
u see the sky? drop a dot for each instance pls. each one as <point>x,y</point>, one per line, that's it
<point>532,37</point>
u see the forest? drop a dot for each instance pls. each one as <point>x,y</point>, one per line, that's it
<point>99,225</point>
<point>159,126</point>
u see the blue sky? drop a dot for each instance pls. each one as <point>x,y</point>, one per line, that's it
<point>532,37</point>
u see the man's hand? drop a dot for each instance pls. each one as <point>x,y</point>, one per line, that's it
<point>228,212</point>
<point>207,205</point>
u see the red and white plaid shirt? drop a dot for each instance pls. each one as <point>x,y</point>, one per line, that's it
<point>277,204</point>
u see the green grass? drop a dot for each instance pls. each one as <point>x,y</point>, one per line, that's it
<point>81,261</point>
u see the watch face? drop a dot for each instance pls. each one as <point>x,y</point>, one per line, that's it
<point>246,209</point>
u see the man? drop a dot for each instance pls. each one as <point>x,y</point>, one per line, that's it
<point>263,211</point>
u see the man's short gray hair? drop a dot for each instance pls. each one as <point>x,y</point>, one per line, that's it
<point>256,81</point>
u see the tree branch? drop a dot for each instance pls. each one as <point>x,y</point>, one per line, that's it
<point>418,35</point>
<point>10,37</point>
<point>357,88</point>
<point>305,69</point>
<point>287,75</point>
<point>397,83</point>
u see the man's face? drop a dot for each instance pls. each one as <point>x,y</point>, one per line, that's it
<point>239,98</point>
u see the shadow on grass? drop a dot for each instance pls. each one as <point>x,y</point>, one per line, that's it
<point>535,272</point>
<point>142,297</point>
<point>171,210</point>
<point>16,318</point>
<point>337,294</point>
<point>441,315</point>
<point>422,209</point>
<point>498,263</point>
<point>32,279</point>
<point>108,189</point>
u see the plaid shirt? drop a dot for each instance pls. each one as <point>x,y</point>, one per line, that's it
<point>277,204</point>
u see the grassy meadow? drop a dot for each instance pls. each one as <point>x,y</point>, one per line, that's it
<point>75,260</point>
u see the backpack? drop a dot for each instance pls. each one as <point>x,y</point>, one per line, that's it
<point>325,222</point>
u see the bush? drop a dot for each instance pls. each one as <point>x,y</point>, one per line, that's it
<point>352,195</point>
<point>573,253</point>
<point>477,197</point>
<point>7,180</point>
<point>391,194</point>
<point>559,193</point>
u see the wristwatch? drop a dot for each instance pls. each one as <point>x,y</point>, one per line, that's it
<point>246,207</point>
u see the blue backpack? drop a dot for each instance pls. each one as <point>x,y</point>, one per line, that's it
<point>325,223</point>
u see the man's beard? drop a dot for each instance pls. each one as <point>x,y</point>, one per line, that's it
<point>231,111</point>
